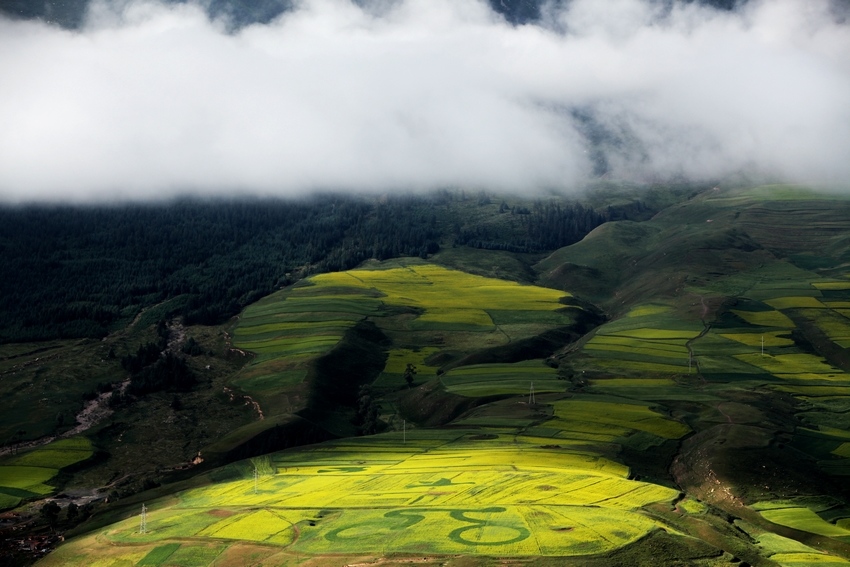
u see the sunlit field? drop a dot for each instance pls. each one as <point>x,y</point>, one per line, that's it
<point>421,491</point>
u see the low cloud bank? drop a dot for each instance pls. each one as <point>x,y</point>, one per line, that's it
<point>149,100</point>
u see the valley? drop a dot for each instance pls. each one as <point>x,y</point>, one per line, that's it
<point>670,389</point>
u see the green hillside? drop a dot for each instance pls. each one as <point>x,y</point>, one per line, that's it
<point>673,389</point>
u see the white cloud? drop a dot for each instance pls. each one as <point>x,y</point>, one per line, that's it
<point>148,100</point>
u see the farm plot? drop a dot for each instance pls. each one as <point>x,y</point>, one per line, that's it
<point>795,366</point>
<point>835,325</point>
<point>432,287</point>
<point>647,340</point>
<point>397,361</point>
<point>768,339</point>
<point>291,327</point>
<point>770,351</point>
<point>832,286</point>
<point>441,492</point>
<point>57,455</point>
<point>775,319</point>
<point>729,352</point>
<point>614,418</point>
<point>797,302</point>
<point>791,553</point>
<point>457,302</point>
<point>802,518</point>
<point>649,389</point>
<point>501,379</point>
<point>26,475</point>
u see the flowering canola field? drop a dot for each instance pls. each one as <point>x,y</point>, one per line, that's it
<point>423,491</point>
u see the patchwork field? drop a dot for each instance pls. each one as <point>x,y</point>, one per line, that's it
<point>410,301</point>
<point>531,376</point>
<point>709,415</point>
<point>26,475</point>
<point>422,491</point>
<point>649,339</point>
<point>803,514</point>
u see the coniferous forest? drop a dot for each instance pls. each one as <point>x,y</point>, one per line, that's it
<point>81,271</point>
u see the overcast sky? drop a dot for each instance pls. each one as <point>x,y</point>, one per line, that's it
<point>149,100</point>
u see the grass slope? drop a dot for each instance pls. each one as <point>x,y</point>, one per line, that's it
<point>706,422</point>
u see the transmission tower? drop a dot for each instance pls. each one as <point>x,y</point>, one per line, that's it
<point>143,521</point>
<point>531,398</point>
<point>256,478</point>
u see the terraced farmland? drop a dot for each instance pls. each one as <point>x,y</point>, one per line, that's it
<point>527,377</point>
<point>649,340</point>
<point>409,300</point>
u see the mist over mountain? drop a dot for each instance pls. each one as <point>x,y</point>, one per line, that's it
<point>143,99</point>
<point>72,13</point>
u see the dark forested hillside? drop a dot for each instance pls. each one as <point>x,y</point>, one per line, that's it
<point>544,227</point>
<point>83,271</point>
<point>77,271</point>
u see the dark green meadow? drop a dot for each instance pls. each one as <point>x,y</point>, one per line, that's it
<point>43,384</point>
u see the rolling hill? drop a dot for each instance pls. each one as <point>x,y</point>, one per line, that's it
<point>671,389</point>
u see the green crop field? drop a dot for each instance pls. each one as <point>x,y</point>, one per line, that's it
<point>769,339</point>
<point>30,479</point>
<point>649,340</point>
<point>649,389</point>
<point>57,455</point>
<point>795,302</point>
<point>619,417</point>
<point>501,379</point>
<point>291,327</point>
<point>765,318</point>
<point>835,285</point>
<point>805,519</point>
<point>26,475</point>
<point>801,366</point>
<point>834,324</point>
